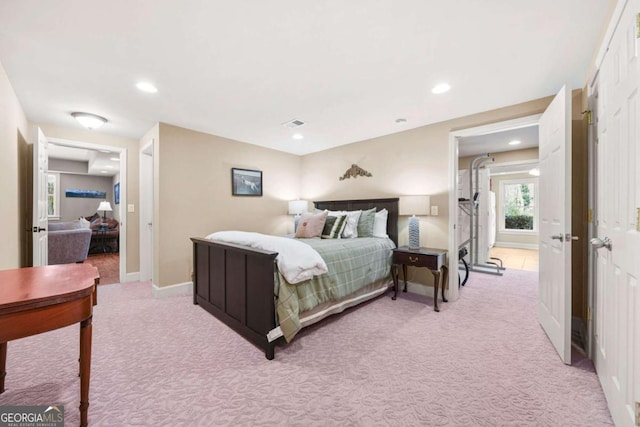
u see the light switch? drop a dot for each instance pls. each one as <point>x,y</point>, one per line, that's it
<point>434,210</point>
<point>131,208</point>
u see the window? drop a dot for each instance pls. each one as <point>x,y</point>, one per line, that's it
<point>53,196</point>
<point>519,212</point>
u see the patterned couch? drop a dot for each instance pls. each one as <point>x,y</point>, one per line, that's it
<point>68,242</point>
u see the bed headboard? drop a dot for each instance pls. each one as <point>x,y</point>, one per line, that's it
<point>353,205</point>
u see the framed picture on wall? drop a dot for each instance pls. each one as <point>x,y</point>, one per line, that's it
<point>246,182</point>
<point>116,193</point>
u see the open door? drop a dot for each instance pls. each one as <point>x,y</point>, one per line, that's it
<point>554,293</point>
<point>616,244</point>
<point>40,208</point>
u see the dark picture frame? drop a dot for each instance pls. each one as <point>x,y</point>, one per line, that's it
<point>116,193</point>
<point>246,182</point>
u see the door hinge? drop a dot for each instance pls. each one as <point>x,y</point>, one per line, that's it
<point>638,219</point>
<point>588,313</point>
<point>587,115</point>
<point>589,215</point>
<point>638,26</point>
<point>638,413</point>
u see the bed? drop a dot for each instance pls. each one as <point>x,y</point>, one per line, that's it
<point>242,287</point>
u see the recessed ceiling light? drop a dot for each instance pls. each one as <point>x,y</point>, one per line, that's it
<point>297,136</point>
<point>401,120</point>
<point>514,142</point>
<point>146,87</point>
<point>115,159</point>
<point>441,88</point>
<point>88,120</point>
<point>104,172</point>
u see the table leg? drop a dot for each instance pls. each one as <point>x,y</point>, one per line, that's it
<point>3,364</point>
<point>394,276</point>
<point>436,283</point>
<point>85,369</point>
<point>404,276</point>
<point>445,281</point>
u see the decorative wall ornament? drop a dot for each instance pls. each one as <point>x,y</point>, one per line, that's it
<point>354,171</point>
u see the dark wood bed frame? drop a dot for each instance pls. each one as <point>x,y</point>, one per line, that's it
<point>236,283</point>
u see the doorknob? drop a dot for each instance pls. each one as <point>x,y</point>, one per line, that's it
<point>558,237</point>
<point>598,243</point>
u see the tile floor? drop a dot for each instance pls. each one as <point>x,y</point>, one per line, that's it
<point>517,259</point>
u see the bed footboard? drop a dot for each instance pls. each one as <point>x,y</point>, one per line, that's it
<point>236,284</point>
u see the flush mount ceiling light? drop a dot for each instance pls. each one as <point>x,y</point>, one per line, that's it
<point>441,88</point>
<point>146,87</point>
<point>88,120</point>
<point>514,142</point>
<point>297,136</point>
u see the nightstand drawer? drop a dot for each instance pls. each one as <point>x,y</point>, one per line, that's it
<point>430,261</point>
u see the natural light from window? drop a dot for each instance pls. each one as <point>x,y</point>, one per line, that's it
<point>519,211</point>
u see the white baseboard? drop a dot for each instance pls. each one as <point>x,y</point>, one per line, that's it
<point>185,288</point>
<point>516,245</point>
<point>132,277</point>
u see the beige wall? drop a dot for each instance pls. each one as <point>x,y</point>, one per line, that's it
<point>504,157</point>
<point>411,162</point>
<point>13,132</point>
<point>194,194</point>
<point>131,145</point>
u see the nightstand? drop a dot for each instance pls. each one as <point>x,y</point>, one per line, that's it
<point>433,259</point>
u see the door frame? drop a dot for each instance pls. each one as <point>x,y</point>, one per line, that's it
<point>532,120</point>
<point>122,207</point>
<point>146,167</point>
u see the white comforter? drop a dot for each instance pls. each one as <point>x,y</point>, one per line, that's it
<point>296,261</point>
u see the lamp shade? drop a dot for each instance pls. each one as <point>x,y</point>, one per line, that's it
<point>414,205</point>
<point>105,206</point>
<point>296,207</point>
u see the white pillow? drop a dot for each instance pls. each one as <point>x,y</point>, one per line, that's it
<point>380,223</point>
<point>351,229</point>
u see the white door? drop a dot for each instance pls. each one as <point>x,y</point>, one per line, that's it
<point>617,242</point>
<point>554,292</point>
<point>40,208</point>
<point>146,213</point>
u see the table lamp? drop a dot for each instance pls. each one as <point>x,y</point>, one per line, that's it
<point>104,206</point>
<point>297,207</point>
<point>414,205</point>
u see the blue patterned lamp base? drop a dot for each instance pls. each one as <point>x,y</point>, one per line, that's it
<point>414,233</point>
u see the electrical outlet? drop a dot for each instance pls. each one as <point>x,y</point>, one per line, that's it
<point>434,210</point>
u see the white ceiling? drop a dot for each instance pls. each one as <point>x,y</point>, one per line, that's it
<point>240,69</point>
<point>100,163</point>
<point>498,142</point>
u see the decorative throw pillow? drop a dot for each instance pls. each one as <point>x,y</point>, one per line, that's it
<point>333,226</point>
<point>351,228</point>
<point>365,223</point>
<point>380,223</point>
<point>311,225</point>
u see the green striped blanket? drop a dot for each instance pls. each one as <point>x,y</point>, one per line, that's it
<point>352,264</point>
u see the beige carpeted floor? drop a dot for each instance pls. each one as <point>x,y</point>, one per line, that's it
<point>483,360</point>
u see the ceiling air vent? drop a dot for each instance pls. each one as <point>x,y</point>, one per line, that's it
<point>291,124</point>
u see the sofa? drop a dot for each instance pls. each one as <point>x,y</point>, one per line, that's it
<point>105,237</point>
<point>68,242</point>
